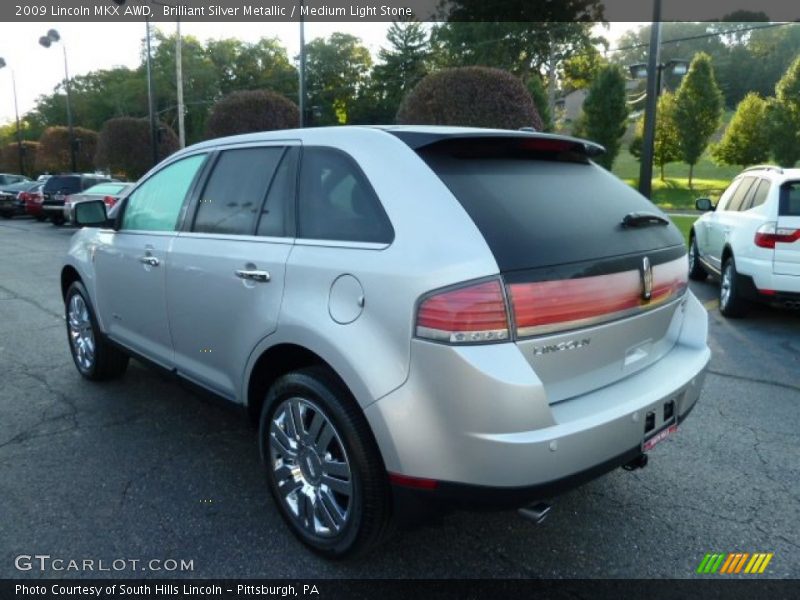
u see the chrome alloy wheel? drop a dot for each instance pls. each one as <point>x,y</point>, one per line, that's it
<point>725,285</point>
<point>311,468</point>
<point>81,333</point>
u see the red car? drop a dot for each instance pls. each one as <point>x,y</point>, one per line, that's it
<point>33,202</point>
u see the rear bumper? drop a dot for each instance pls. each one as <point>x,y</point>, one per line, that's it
<point>487,424</point>
<point>756,275</point>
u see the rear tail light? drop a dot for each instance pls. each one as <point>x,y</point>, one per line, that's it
<point>551,306</point>
<point>475,313</point>
<point>110,201</point>
<point>769,234</point>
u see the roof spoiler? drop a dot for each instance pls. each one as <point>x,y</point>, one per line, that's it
<point>418,140</point>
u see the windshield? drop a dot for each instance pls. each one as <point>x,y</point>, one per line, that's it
<point>65,185</point>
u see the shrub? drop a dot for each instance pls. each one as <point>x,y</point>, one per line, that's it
<point>470,96</point>
<point>123,147</point>
<point>9,158</point>
<point>53,154</point>
<point>251,111</point>
<point>605,112</point>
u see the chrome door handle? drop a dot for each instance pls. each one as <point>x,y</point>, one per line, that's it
<point>262,276</point>
<point>149,260</point>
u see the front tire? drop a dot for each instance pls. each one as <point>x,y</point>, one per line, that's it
<point>323,466</point>
<point>731,302</point>
<point>696,270</point>
<point>94,356</point>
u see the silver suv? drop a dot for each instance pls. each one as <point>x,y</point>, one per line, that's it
<point>417,317</point>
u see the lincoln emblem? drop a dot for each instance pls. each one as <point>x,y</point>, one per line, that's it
<point>647,279</point>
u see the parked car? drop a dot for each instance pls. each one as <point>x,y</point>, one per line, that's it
<point>12,200</point>
<point>9,178</point>
<point>418,317</point>
<point>58,187</point>
<point>750,240</point>
<point>110,193</point>
<point>33,202</point>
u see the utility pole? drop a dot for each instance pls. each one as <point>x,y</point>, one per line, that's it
<point>150,96</point>
<point>179,81</point>
<point>653,76</point>
<point>302,87</point>
<point>20,151</point>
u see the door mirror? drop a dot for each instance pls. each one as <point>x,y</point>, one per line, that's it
<point>91,213</point>
<point>704,204</point>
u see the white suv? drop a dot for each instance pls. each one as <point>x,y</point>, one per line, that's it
<point>751,240</point>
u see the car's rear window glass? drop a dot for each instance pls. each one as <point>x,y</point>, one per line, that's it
<point>106,188</point>
<point>535,213</point>
<point>790,199</point>
<point>64,185</point>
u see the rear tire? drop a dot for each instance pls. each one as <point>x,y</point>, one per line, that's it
<point>313,433</point>
<point>731,303</point>
<point>58,220</point>
<point>39,218</point>
<point>696,270</point>
<point>7,215</point>
<point>94,356</point>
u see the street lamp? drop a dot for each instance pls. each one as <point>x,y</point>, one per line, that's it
<point>676,66</point>
<point>46,41</point>
<point>16,113</point>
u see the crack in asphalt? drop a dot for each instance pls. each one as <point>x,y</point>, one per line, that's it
<point>15,296</point>
<point>786,386</point>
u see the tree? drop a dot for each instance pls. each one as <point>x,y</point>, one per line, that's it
<point>337,70</point>
<point>539,96</point>
<point>666,144</point>
<point>9,157</point>
<point>783,117</point>
<point>698,108</point>
<point>746,139</point>
<point>605,112</point>
<point>123,146</point>
<point>53,153</point>
<point>251,111</point>
<point>401,67</point>
<point>470,96</point>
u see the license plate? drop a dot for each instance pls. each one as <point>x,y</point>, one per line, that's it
<point>650,443</point>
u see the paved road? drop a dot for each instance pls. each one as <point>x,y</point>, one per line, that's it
<point>141,469</point>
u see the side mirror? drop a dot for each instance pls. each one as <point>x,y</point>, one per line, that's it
<point>704,204</point>
<point>91,213</point>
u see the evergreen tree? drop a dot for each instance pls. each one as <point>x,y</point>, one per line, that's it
<point>698,108</point>
<point>783,116</point>
<point>746,140</point>
<point>605,112</point>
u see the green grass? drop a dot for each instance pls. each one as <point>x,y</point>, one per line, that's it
<point>709,180</point>
<point>684,224</point>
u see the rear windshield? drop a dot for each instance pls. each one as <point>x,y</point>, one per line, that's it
<point>538,211</point>
<point>790,199</point>
<point>66,185</point>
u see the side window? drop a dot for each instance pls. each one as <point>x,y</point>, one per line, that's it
<point>336,202</point>
<point>725,199</point>
<point>760,195</point>
<point>790,199</point>
<point>156,204</point>
<point>232,198</point>
<point>740,194</point>
<point>277,216</point>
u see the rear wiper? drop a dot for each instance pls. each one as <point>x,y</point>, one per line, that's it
<point>643,219</point>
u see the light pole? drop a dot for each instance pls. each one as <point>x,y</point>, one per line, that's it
<point>677,67</point>
<point>16,114</point>
<point>302,87</point>
<point>46,41</point>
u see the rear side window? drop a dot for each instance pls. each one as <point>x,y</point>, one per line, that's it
<point>740,195</point>
<point>336,202</point>
<point>232,198</point>
<point>790,199</point>
<point>277,216</point>
<point>760,195</point>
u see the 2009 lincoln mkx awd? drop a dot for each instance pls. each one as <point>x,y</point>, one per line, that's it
<point>416,315</point>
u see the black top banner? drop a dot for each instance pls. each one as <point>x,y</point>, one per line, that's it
<point>393,10</point>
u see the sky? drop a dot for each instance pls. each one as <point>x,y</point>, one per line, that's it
<point>92,46</point>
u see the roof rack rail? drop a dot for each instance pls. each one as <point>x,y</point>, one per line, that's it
<point>764,168</point>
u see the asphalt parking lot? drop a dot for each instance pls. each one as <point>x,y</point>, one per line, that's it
<point>141,469</point>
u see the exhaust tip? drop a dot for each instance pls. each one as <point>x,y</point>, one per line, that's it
<point>536,512</point>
